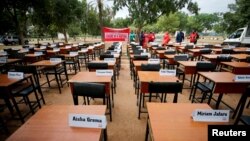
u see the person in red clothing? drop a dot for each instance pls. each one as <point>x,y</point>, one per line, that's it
<point>166,39</point>
<point>194,36</point>
<point>151,37</point>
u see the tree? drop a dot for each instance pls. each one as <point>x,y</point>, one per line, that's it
<point>169,23</point>
<point>16,12</point>
<point>145,12</point>
<point>65,12</point>
<point>121,22</point>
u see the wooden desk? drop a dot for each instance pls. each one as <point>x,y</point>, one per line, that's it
<point>137,64</point>
<point>161,53</point>
<point>92,78</point>
<point>48,63</point>
<point>51,124</point>
<point>211,57</point>
<point>217,50</point>
<point>6,85</point>
<point>241,50</point>
<point>189,66</point>
<point>240,57</point>
<point>173,122</point>
<point>238,67</point>
<point>224,83</point>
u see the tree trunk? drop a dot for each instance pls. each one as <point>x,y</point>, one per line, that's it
<point>100,5</point>
<point>65,36</point>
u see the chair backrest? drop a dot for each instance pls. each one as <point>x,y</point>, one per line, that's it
<point>241,106</point>
<point>92,66</point>
<point>180,58</point>
<point>170,52</point>
<point>208,46</point>
<point>189,46</point>
<point>248,59</point>
<point>160,48</point>
<point>102,56</point>
<point>138,52</point>
<point>205,66</point>
<point>166,87</point>
<point>150,67</point>
<point>227,51</point>
<point>224,58</point>
<point>140,57</point>
<point>94,90</point>
<point>205,51</point>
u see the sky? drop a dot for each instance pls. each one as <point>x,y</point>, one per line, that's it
<point>206,6</point>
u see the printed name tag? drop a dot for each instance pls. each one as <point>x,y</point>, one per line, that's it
<point>104,72</point>
<point>67,46</point>
<point>73,53</point>
<point>55,59</point>
<point>53,45</point>
<point>38,53</point>
<point>3,53</point>
<point>56,49</point>
<point>87,121</point>
<point>224,55</point>
<point>248,49</point>
<point>84,49</point>
<point>167,72</point>
<point>42,47</point>
<point>153,61</point>
<point>139,47</point>
<point>211,115</point>
<point>242,78</point>
<point>109,60</point>
<point>16,75</point>
<point>3,59</point>
<point>231,46</point>
<point>145,54</point>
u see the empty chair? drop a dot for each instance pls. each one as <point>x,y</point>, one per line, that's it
<point>205,51</point>
<point>227,51</point>
<point>140,57</point>
<point>248,59</point>
<point>150,67</point>
<point>102,56</point>
<point>222,58</point>
<point>179,71</point>
<point>92,66</point>
<point>91,90</point>
<point>208,46</point>
<point>162,88</point>
<point>204,87</point>
<point>239,111</point>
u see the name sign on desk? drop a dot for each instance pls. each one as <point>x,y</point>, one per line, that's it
<point>87,121</point>
<point>55,59</point>
<point>42,47</point>
<point>145,54</point>
<point>153,61</point>
<point>206,115</point>
<point>248,49</point>
<point>16,75</point>
<point>3,59</point>
<point>242,78</point>
<point>139,47</point>
<point>67,46</point>
<point>167,72</point>
<point>84,49</point>
<point>38,53</point>
<point>73,53</point>
<point>3,53</point>
<point>56,49</point>
<point>104,72</point>
<point>117,50</point>
<point>109,60</point>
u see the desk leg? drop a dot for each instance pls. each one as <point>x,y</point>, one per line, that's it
<point>57,81</point>
<point>219,100</point>
<point>65,71</point>
<point>147,130</point>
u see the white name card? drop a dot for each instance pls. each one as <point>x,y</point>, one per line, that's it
<point>42,47</point>
<point>206,115</point>
<point>3,59</point>
<point>109,60</point>
<point>3,53</point>
<point>38,53</point>
<point>55,59</point>
<point>16,75</point>
<point>53,45</point>
<point>242,78</point>
<point>166,72</point>
<point>104,72</point>
<point>87,121</point>
<point>117,50</point>
<point>248,49</point>
<point>139,47</point>
<point>153,61</point>
<point>224,55</point>
<point>67,46</point>
<point>115,54</point>
<point>145,54</point>
<point>231,46</point>
<point>73,53</point>
<point>56,49</point>
<point>84,49</point>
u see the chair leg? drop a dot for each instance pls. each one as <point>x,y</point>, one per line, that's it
<point>48,80</point>
<point>139,106</point>
<point>248,104</point>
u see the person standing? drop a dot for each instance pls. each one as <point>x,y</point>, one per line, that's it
<point>194,36</point>
<point>180,37</point>
<point>166,39</point>
<point>142,37</point>
<point>151,37</point>
<point>132,36</point>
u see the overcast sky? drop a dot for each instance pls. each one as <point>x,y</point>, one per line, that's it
<point>206,6</point>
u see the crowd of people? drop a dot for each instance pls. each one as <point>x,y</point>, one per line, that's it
<point>144,38</point>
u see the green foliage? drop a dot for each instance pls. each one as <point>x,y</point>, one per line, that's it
<point>121,22</point>
<point>169,23</point>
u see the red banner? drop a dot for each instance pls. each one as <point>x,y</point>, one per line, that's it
<point>116,34</point>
